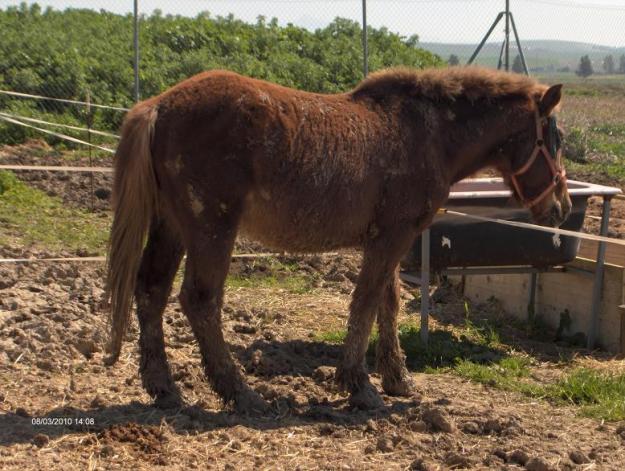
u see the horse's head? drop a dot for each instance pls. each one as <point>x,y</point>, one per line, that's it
<point>533,167</point>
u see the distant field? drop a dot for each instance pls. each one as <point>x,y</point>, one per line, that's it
<point>597,83</point>
<point>593,119</point>
<point>538,53</point>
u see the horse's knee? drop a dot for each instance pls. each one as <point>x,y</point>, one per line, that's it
<point>199,303</point>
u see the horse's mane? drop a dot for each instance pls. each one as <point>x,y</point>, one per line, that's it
<point>448,84</point>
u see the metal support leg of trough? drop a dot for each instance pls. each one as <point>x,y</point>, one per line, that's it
<point>597,287</point>
<point>531,306</point>
<point>425,284</point>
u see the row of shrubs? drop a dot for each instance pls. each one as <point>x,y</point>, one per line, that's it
<point>75,53</point>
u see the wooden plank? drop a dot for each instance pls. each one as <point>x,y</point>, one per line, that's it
<point>614,254</point>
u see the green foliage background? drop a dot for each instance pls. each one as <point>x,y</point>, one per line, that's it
<point>73,53</point>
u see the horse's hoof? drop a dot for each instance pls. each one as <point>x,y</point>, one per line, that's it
<point>404,386</point>
<point>366,398</point>
<point>249,402</point>
<point>168,400</point>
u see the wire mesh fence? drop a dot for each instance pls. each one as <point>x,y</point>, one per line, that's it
<point>84,50</point>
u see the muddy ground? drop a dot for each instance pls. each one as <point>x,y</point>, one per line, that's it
<point>52,332</point>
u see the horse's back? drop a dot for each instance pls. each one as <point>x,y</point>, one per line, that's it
<point>300,163</point>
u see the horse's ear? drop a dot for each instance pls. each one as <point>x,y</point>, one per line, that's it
<point>550,100</point>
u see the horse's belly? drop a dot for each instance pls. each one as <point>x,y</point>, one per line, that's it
<point>314,225</point>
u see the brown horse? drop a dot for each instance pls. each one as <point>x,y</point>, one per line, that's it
<point>220,154</point>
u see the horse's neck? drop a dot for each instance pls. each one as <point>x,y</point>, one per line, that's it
<point>474,140</point>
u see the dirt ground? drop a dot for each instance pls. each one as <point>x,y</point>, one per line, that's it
<point>61,408</point>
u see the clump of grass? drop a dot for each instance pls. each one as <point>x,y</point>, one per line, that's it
<point>333,336</point>
<point>601,395</point>
<point>296,284</point>
<point>30,217</point>
<point>276,275</point>
<point>576,145</point>
<point>509,374</point>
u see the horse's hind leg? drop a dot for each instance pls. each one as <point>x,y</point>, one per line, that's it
<point>201,297</point>
<point>159,263</point>
<point>389,357</point>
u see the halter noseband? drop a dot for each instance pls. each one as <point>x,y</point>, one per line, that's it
<point>554,163</point>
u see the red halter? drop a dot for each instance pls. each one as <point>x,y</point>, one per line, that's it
<point>555,167</point>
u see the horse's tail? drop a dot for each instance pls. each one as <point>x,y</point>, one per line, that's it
<point>134,203</point>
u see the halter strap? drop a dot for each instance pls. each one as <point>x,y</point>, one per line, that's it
<point>553,162</point>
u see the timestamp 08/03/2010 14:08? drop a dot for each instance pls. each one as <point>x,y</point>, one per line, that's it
<point>63,421</point>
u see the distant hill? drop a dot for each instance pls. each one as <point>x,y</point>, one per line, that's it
<point>543,54</point>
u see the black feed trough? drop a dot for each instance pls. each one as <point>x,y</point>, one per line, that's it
<point>456,241</point>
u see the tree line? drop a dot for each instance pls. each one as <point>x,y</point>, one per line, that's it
<point>586,69</point>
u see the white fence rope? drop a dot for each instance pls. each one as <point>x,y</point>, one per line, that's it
<point>62,100</point>
<point>57,168</point>
<point>68,259</point>
<point>523,225</point>
<point>102,259</point>
<point>59,125</point>
<point>527,225</point>
<point>57,134</point>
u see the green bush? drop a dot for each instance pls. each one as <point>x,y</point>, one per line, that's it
<point>75,52</point>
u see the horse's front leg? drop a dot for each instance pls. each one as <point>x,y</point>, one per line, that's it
<point>389,357</point>
<point>381,258</point>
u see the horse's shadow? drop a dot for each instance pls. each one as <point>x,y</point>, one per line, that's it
<point>293,357</point>
<point>184,420</point>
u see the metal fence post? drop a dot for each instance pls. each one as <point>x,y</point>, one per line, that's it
<point>597,287</point>
<point>507,40</point>
<point>136,48</point>
<point>365,41</point>
<point>425,285</point>
<point>89,125</point>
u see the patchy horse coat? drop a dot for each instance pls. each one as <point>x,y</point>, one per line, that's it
<point>220,154</point>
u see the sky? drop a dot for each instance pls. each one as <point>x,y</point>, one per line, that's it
<point>599,22</point>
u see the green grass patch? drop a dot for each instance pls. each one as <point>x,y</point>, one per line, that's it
<point>600,395</point>
<point>604,144</point>
<point>333,336</point>
<point>475,352</point>
<point>611,129</point>
<point>274,274</point>
<point>614,170</point>
<point>296,284</point>
<point>510,374</point>
<point>30,217</point>
<point>598,150</point>
<point>445,348</point>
